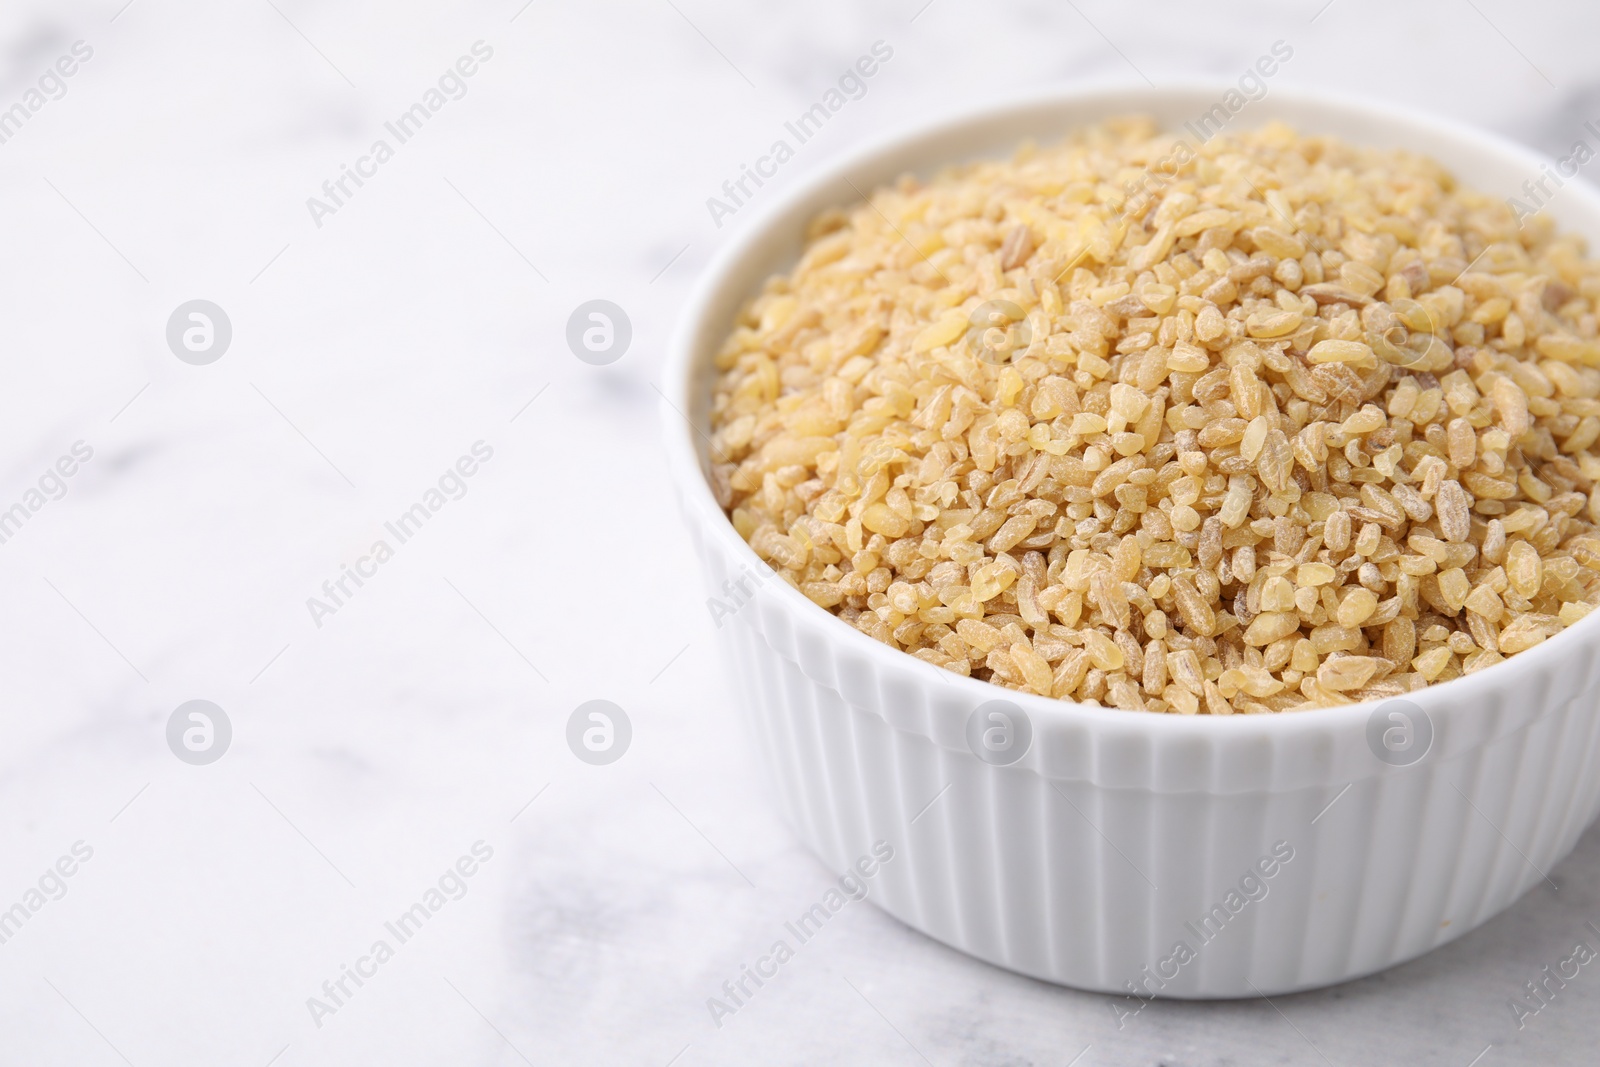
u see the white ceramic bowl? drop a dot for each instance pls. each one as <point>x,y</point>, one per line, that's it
<point>1089,860</point>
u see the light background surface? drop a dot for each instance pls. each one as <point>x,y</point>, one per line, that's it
<point>372,351</point>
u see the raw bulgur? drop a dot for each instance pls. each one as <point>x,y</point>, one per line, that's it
<point>1274,423</point>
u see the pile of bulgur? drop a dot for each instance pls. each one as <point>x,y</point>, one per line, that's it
<point>1272,423</point>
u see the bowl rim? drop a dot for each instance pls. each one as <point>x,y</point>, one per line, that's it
<point>720,274</point>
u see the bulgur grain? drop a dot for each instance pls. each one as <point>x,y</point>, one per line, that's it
<point>1301,423</point>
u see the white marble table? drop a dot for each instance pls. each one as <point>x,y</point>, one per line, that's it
<point>427,711</point>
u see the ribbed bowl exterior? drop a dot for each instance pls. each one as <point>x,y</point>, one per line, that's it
<point>1092,859</point>
<point>1089,860</point>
